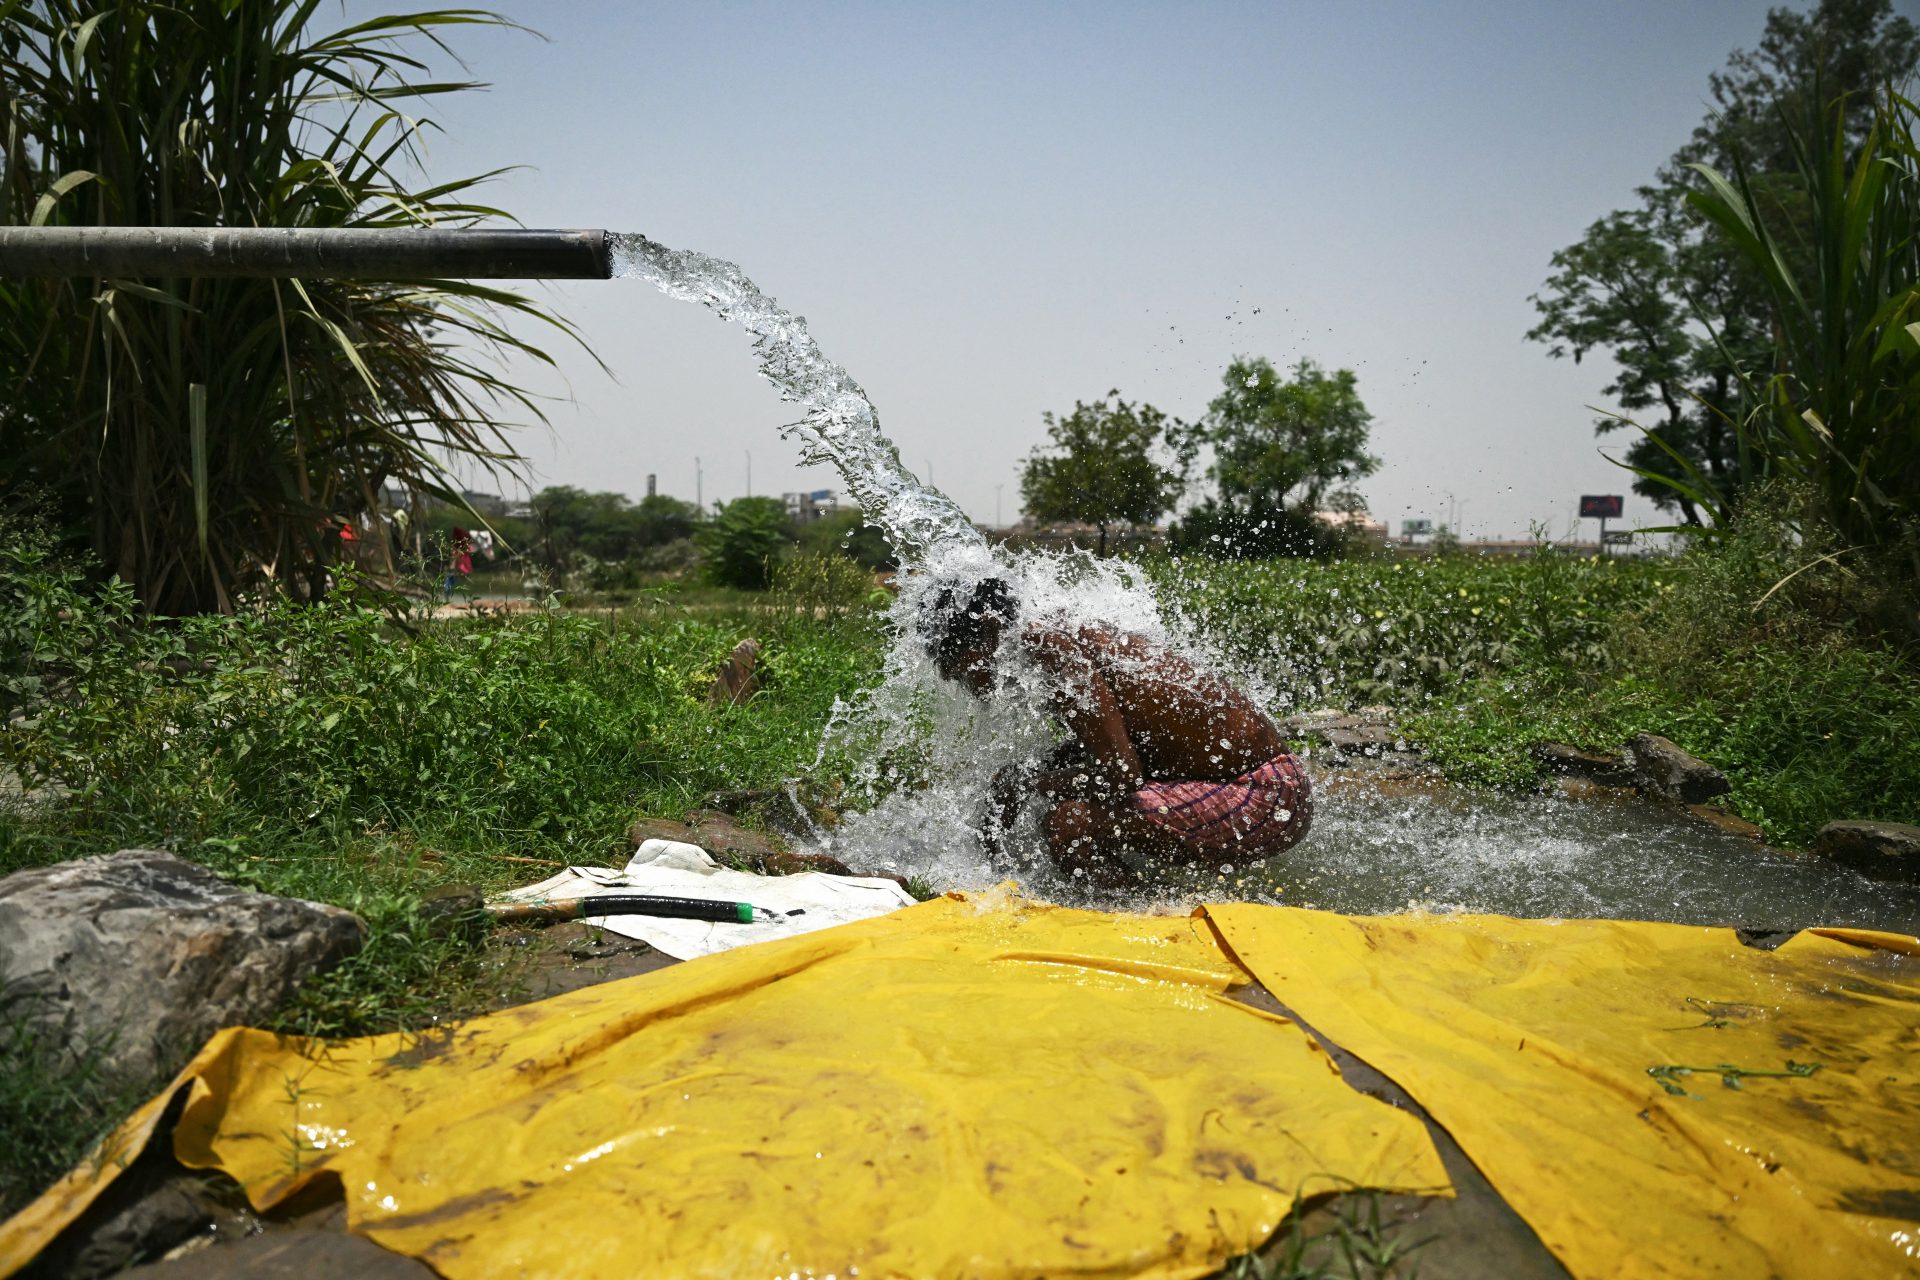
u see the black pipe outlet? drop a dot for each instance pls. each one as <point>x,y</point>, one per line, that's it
<point>315,254</point>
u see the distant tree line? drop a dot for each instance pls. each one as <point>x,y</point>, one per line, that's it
<point>608,541</point>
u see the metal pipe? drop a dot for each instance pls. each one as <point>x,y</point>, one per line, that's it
<point>332,253</point>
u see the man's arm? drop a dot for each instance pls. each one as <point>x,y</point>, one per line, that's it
<point>1085,703</point>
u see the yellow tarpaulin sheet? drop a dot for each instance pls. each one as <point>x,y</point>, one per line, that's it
<point>957,1089</point>
<point>1531,1042</point>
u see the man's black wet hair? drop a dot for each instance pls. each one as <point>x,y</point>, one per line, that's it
<point>951,628</point>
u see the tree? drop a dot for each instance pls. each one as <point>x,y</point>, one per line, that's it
<point>1665,295</point>
<point>609,527</point>
<point>745,542</point>
<point>200,435</point>
<point>659,519</point>
<point>1278,447</point>
<point>1102,470</point>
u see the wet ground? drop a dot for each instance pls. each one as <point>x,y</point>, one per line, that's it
<point>1381,845</point>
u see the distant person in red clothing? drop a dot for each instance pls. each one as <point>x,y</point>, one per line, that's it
<point>459,561</point>
<point>1167,763</point>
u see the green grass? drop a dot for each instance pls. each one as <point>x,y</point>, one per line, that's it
<point>1781,658</point>
<point>55,1104</point>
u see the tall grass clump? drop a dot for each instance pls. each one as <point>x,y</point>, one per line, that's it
<point>1840,259</point>
<point>199,434</point>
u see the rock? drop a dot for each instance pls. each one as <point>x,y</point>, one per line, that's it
<point>760,851</point>
<point>1886,850</point>
<point>149,955</point>
<point>1587,791</point>
<point>645,829</point>
<point>1364,739</point>
<point>1564,760</point>
<point>290,1255</point>
<point>731,843</point>
<point>734,682</point>
<point>456,912</point>
<point>1662,770</point>
<point>1732,824</point>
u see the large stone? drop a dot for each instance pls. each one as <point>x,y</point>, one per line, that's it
<point>1564,760</point>
<point>149,955</point>
<point>1888,850</point>
<point>1662,770</point>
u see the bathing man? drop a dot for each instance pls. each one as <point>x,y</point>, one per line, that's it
<point>1166,762</point>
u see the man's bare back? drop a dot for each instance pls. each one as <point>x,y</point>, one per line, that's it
<point>1167,762</point>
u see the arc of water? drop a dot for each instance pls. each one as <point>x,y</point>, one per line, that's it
<point>840,425</point>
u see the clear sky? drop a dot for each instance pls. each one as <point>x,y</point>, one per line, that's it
<point>987,211</point>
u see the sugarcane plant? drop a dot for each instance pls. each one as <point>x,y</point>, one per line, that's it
<point>209,438</point>
<point>1838,411</point>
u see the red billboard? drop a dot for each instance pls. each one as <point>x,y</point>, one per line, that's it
<point>1601,506</point>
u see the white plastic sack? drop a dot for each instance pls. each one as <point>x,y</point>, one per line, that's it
<point>672,868</point>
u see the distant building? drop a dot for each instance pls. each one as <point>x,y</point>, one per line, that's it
<point>805,508</point>
<point>486,504</point>
<point>1353,521</point>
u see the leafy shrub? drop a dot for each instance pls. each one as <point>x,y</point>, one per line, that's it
<point>826,586</point>
<point>1842,273</point>
<point>745,542</point>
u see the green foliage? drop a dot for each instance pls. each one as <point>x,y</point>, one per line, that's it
<point>1668,298</point>
<point>848,534</point>
<point>1761,653</point>
<point>825,585</point>
<point>745,542</point>
<point>55,1105</point>
<point>1401,631</point>
<point>571,526</point>
<point>200,432</point>
<point>1278,440</point>
<point>1102,468</point>
<point>228,737</point>
<point>1844,292</point>
<point>1220,532</point>
<point>1278,448</point>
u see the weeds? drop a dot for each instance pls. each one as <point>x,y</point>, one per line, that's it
<point>1358,1245</point>
<point>56,1102</point>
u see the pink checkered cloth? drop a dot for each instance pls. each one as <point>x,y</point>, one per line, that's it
<point>1260,812</point>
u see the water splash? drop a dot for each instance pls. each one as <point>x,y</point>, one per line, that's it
<point>840,425</point>
<point>920,752</point>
